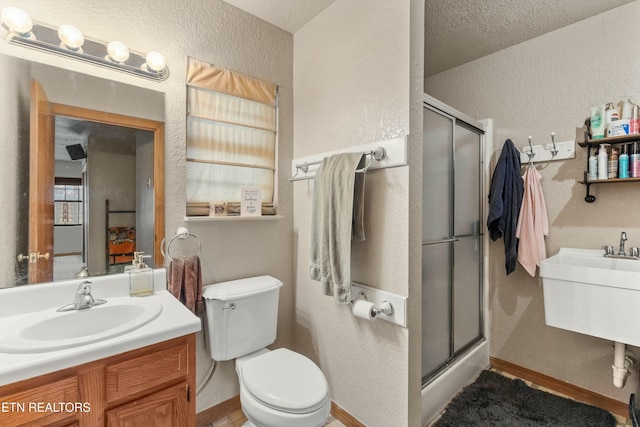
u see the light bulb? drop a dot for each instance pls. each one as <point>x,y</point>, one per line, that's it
<point>16,20</point>
<point>70,36</point>
<point>118,51</point>
<point>155,61</point>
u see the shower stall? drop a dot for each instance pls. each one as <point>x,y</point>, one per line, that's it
<point>454,288</point>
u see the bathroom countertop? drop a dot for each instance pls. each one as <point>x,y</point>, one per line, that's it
<point>174,321</point>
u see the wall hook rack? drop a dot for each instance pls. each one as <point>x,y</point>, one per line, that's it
<point>545,153</point>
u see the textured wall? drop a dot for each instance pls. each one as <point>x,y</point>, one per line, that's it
<point>543,85</point>
<point>351,86</point>
<point>14,107</point>
<point>215,32</point>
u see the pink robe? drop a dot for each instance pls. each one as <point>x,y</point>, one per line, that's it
<point>533,223</point>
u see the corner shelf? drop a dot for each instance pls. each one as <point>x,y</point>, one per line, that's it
<point>622,139</point>
<point>589,144</point>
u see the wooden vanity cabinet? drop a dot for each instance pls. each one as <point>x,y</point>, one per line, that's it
<point>150,386</point>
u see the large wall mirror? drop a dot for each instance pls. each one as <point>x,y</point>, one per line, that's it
<point>84,173</point>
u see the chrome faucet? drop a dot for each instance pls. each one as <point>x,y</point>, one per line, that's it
<point>634,252</point>
<point>623,238</point>
<point>82,299</point>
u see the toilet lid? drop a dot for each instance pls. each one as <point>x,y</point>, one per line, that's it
<point>285,381</point>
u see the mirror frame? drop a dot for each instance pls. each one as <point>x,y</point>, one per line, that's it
<point>158,159</point>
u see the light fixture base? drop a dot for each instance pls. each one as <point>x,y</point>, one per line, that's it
<point>45,38</point>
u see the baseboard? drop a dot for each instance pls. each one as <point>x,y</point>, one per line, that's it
<point>573,391</point>
<point>344,417</point>
<point>232,405</point>
<point>221,410</point>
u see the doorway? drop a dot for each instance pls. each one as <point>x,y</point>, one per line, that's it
<point>454,344</point>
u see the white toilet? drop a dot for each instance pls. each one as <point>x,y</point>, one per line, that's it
<point>278,388</point>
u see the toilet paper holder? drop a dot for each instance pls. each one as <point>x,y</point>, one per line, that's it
<point>390,307</point>
<point>385,307</point>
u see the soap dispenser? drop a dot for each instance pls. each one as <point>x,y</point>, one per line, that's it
<point>140,276</point>
<point>602,162</point>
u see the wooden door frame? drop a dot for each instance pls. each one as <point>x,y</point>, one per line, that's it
<point>158,158</point>
<point>41,190</point>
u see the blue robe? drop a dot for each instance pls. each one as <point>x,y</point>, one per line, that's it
<point>505,199</point>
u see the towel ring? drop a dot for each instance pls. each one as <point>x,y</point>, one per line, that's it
<point>181,233</point>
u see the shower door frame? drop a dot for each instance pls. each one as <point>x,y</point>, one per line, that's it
<point>461,368</point>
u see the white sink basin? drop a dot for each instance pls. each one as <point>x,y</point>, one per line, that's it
<point>49,330</point>
<point>588,293</point>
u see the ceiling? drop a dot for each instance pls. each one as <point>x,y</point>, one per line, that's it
<point>456,31</point>
<point>70,132</point>
<point>290,15</point>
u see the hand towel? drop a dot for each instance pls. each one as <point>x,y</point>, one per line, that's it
<point>533,223</point>
<point>185,283</point>
<point>337,218</point>
<point>505,199</point>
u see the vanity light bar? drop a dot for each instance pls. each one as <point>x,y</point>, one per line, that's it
<point>67,40</point>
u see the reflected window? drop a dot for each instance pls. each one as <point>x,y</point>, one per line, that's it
<point>68,202</point>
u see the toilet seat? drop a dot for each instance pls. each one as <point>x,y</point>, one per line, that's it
<point>285,381</point>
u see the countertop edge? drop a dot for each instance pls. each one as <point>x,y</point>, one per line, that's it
<point>175,321</point>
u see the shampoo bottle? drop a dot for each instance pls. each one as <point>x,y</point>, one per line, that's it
<point>597,122</point>
<point>593,168</point>
<point>602,162</point>
<point>623,163</point>
<point>634,123</point>
<point>626,110</point>
<point>612,168</point>
<point>140,277</point>
<point>634,161</point>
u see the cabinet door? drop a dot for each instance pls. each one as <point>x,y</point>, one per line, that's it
<point>166,408</point>
<point>50,404</point>
<point>132,377</point>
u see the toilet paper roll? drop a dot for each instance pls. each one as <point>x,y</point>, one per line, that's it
<point>364,309</point>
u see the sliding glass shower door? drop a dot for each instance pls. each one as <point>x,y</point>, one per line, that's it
<point>451,240</point>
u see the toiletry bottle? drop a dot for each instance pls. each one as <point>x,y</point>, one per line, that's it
<point>623,163</point>
<point>597,122</point>
<point>602,162</point>
<point>634,122</point>
<point>634,161</point>
<point>141,277</point>
<point>612,164</point>
<point>625,113</point>
<point>593,167</point>
<point>611,114</point>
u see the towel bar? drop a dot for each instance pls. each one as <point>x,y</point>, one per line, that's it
<point>181,233</point>
<point>377,154</point>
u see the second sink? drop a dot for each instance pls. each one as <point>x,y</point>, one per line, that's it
<point>588,293</point>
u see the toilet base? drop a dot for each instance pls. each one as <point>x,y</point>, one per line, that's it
<point>259,415</point>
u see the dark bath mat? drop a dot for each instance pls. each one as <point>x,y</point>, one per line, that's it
<point>494,400</point>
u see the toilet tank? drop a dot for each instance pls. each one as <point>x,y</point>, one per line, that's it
<point>242,316</point>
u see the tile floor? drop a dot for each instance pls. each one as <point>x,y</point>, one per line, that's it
<point>237,419</point>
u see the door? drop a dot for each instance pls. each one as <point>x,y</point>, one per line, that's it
<point>451,240</point>
<point>41,186</point>
<point>166,408</point>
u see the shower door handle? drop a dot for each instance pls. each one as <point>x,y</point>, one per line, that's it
<point>449,240</point>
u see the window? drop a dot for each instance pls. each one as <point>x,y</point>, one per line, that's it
<point>231,137</point>
<point>68,202</point>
